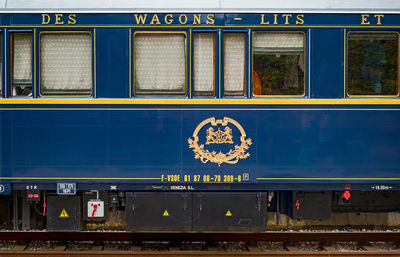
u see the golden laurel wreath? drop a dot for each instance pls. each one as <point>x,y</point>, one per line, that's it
<point>231,157</point>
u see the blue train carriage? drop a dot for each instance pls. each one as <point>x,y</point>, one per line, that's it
<point>209,116</point>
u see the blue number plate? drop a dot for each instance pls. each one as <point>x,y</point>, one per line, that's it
<point>66,188</point>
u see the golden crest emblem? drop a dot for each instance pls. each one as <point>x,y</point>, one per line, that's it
<point>214,135</point>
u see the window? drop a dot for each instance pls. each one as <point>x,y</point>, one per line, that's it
<point>234,64</point>
<point>372,63</point>
<point>278,63</point>
<point>204,64</point>
<point>21,64</point>
<point>160,63</point>
<point>66,63</point>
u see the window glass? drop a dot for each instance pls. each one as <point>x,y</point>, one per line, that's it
<point>160,63</point>
<point>21,63</point>
<point>373,63</point>
<point>278,63</point>
<point>234,63</point>
<point>65,64</point>
<point>204,63</point>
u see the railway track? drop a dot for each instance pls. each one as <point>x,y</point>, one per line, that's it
<point>89,244</point>
<point>196,254</point>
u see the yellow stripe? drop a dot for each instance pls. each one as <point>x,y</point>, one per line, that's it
<point>254,101</point>
<point>79,178</point>
<point>190,26</point>
<point>55,178</point>
<point>328,178</point>
<point>192,109</point>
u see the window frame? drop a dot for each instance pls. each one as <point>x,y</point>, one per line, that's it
<point>11,64</point>
<point>346,68</point>
<point>305,54</point>
<point>92,34</point>
<point>246,76</point>
<point>188,59</point>
<point>215,35</point>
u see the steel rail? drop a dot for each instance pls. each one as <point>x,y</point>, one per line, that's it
<point>277,236</point>
<point>194,254</point>
<point>288,239</point>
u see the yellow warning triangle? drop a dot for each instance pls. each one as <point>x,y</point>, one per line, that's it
<point>228,213</point>
<point>64,214</point>
<point>165,213</point>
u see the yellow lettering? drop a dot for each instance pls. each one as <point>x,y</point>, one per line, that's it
<point>71,18</point>
<point>45,19</point>
<point>182,19</point>
<point>364,20</point>
<point>286,16</point>
<point>140,19</point>
<point>196,19</point>
<point>210,19</point>
<point>262,20</point>
<point>300,20</point>
<point>168,21</point>
<point>58,19</point>
<point>379,16</point>
<point>155,20</point>
<point>275,19</point>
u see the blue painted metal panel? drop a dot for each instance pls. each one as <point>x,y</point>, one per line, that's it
<point>5,144</point>
<point>327,63</point>
<point>287,145</point>
<point>206,19</point>
<point>144,146</point>
<point>112,54</point>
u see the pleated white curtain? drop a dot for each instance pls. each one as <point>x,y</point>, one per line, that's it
<point>22,57</point>
<point>234,63</point>
<point>160,63</point>
<point>278,40</point>
<point>66,63</point>
<point>204,62</point>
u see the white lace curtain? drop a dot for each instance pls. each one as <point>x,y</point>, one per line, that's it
<point>234,63</point>
<point>66,63</point>
<point>291,45</point>
<point>204,62</point>
<point>278,40</point>
<point>160,63</point>
<point>22,57</point>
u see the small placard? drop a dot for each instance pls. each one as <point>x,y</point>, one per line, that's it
<point>5,188</point>
<point>95,209</point>
<point>66,188</point>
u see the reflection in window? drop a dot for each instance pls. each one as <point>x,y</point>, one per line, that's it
<point>373,63</point>
<point>160,63</point>
<point>21,63</point>
<point>234,63</point>
<point>65,64</point>
<point>278,63</point>
<point>203,62</point>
